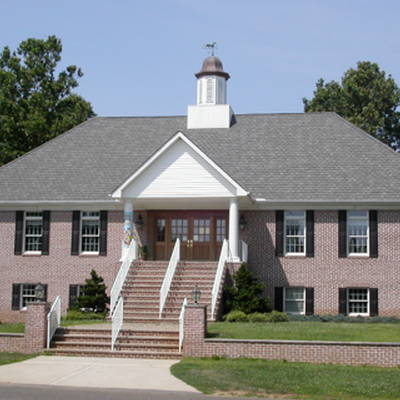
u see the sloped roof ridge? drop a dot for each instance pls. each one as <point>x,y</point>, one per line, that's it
<point>47,142</point>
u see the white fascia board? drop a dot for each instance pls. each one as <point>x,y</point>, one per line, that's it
<point>85,205</point>
<point>118,193</point>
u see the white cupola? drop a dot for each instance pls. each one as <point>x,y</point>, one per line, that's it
<point>211,110</point>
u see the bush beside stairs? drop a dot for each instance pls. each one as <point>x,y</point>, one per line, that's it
<point>144,334</point>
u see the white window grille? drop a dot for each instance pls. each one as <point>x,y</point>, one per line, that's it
<point>357,232</point>
<point>294,300</point>
<point>33,232</point>
<point>90,232</point>
<point>27,294</point>
<point>295,232</point>
<point>357,301</point>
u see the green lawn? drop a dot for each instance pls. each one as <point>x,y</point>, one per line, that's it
<point>280,379</point>
<point>9,358</point>
<point>12,328</point>
<point>329,331</point>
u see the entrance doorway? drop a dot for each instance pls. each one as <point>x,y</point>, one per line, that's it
<point>201,234</point>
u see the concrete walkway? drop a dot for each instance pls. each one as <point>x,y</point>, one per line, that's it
<point>95,372</point>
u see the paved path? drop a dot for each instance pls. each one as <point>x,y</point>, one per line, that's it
<point>95,372</point>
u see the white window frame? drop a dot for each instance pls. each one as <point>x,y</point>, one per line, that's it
<point>89,216</point>
<point>303,300</point>
<point>357,216</point>
<point>32,216</point>
<point>295,217</point>
<point>32,296</point>
<point>367,301</point>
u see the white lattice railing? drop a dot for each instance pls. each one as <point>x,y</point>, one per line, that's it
<point>117,321</point>
<point>181,322</point>
<point>53,319</point>
<point>244,251</point>
<point>123,271</point>
<point>223,256</point>
<point>169,274</point>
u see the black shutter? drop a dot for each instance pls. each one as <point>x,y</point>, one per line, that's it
<point>76,222</point>
<point>373,234</point>
<point>279,250</point>
<point>19,227</point>
<point>16,293</point>
<point>45,233</point>
<point>310,301</point>
<point>342,233</point>
<point>73,294</point>
<point>278,298</point>
<point>343,301</point>
<point>310,233</point>
<point>373,302</point>
<point>103,233</point>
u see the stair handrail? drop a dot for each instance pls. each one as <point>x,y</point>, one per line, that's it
<point>181,324</point>
<point>117,321</point>
<point>169,274</point>
<point>223,256</point>
<point>53,319</point>
<point>244,251</point>
<point>119,280</point>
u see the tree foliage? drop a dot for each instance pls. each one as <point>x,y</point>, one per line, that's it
<point>36,103</point>
<point>246,294</point>
<point>366,98</point>
<point>93,295</point>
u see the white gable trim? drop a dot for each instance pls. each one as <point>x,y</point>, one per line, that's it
<point>118,193</point>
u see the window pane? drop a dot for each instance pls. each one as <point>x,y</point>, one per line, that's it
<point>179,229</point>
<point>33,231</point>
<point>294,307</point>
<point>358,301</point>
<point>294,293</point>
<point>295,231</point>
<point>221,230</point>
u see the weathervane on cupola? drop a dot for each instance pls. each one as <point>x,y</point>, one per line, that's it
<point>211,47</point>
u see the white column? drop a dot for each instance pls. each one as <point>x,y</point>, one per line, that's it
<point>128,227</point>
<point>234,229</point>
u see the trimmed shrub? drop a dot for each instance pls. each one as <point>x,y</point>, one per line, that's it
<point>259,317</point>
<point>82,315</point>
<point>236,316</point>
<point>277,316</point>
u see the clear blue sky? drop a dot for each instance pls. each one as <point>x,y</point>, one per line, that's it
<point>139,56</point>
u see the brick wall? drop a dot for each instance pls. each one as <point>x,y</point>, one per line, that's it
<point>59,269</point>
<point>12,342</point>
<point>349,353</point>
<point>326,272</point>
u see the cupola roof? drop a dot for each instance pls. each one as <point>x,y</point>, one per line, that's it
<point>212,66</point>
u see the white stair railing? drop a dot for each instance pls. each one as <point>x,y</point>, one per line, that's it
<point>224,254</point>
<point>117,321</point>
<point>169,274</point>
<point>53,319</point>
<point>181,322</point>
<point>244,251</point>
<point>119,280</point>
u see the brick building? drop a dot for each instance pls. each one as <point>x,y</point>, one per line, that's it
<point>315,199</point>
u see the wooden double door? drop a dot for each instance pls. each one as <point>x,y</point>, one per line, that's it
<point>201,234</point>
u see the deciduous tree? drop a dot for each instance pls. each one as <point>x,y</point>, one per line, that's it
<point>366,98</point>
<point>36,103</point>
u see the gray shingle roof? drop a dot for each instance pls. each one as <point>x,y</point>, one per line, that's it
<point>278,157</point>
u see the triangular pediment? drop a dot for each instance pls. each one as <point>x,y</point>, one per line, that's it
<point>179,170</point>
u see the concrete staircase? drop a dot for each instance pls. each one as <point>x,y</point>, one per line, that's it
<point>144,334</point>
<point>161,342</point>
<point>141,290</point>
